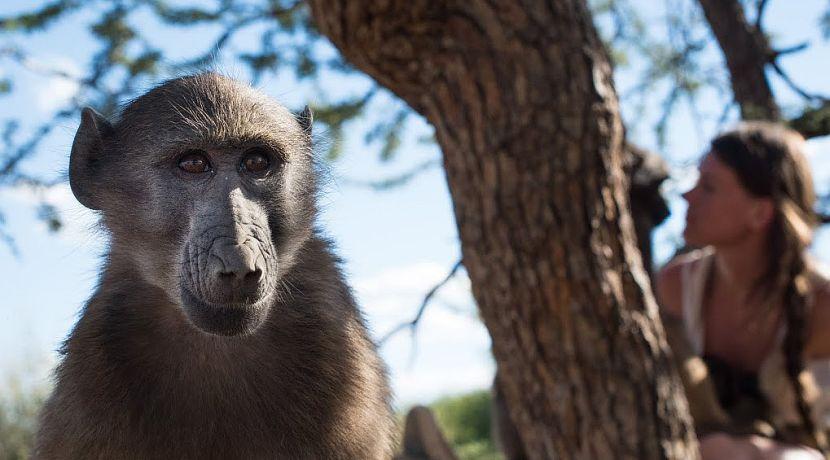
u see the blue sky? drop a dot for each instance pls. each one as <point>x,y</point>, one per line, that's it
<point>396,244</point>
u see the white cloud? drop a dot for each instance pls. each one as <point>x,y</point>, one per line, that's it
<point>53,92</point>
<point>80,225</point>
<point>422,386</point>
<point>450,352</point>
<point>397,292</point>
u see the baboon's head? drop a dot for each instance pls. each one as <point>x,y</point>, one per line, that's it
<point>207,187</point>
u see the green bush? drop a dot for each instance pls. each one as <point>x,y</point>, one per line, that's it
<point>19,408</point>
<point>465,421</point>
<point>478,450</point>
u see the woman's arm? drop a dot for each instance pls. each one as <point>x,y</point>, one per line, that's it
<point>668,289</point>
<point>818,326</point>
<point>704,407</point>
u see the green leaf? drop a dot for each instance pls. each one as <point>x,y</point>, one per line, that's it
<point>146,63</point>
<point>338,113</point>
<point>389,134</point>
<point>38,20</point>
<point>49,215</point>
<point>392,139</point>
<point>306,66</point>
<point>619,56</point>
<point>600,6</point>
<point>335,143</point>
<point>402,179</point>
<point>426,139</point>
<point>813,121</point>
<point>260,62</point>
<point>183,16</point>
<point>113,28</point>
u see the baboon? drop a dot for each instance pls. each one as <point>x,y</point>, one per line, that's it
<point>221,326</point>
<point>646,171</point>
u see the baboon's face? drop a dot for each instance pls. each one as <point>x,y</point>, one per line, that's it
<point>207,187</point>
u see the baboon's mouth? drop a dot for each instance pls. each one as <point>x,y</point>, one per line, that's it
<point>232,319</point>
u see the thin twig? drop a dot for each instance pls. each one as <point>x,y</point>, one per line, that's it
<point>19,56</point>
<point>394,181</point>
<point>791,49</point>
<point>725,114</point>
<point>759,14</point>
<point>427,298</point>
<point>7,239</point>
<point>803,93</point>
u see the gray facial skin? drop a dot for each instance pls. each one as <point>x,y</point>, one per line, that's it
<point>219,254</point>
<point>222,326</point>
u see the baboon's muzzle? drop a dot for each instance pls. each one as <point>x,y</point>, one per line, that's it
<point>229,269</point>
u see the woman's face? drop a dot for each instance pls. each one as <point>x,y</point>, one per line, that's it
<point>721,211</point>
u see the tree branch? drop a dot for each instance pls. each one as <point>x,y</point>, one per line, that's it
<point>813,122</point>
<point>7,239</point>
<point>791,49</point>
<point>397,180</point>
<point>746,51</point>
<point>759,14</point>
<point>19,56</point>
<point>798,89</point>
<point>427,299</point>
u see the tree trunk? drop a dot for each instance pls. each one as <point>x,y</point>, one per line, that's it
<point>747,53</point>
<point>521,99</point>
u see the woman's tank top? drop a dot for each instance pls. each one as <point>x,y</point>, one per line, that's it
<point>772,378</point>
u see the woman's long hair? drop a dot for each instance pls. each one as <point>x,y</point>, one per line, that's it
<point>769,161</point>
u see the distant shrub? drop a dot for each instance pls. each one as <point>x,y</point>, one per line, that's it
<point>465,421</point>
<point>19,407</point>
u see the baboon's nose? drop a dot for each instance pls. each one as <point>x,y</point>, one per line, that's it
<point>235,267</point>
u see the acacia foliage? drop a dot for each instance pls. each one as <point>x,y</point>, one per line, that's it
<point>671,58</point>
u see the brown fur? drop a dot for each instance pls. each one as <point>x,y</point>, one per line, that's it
<point>142,377</point>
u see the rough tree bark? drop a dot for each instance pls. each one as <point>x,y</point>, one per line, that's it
<point>521,98</point>
<point>747,52</point>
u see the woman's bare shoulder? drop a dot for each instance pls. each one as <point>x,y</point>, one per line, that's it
<point>818,342</point>
<point>668,283</point>
<point>668,287</point>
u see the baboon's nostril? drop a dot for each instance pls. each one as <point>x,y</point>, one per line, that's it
<point>240,273</point>
<point>253,276</point>
<point>235,263</point>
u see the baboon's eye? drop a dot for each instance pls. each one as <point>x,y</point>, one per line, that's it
<point>256,161</point>
<point>194,162</point>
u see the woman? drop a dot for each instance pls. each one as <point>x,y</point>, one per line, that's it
<point>751,301</point>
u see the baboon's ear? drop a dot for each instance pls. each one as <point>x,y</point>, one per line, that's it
<point>87,149</point>
<point>306,118</point>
